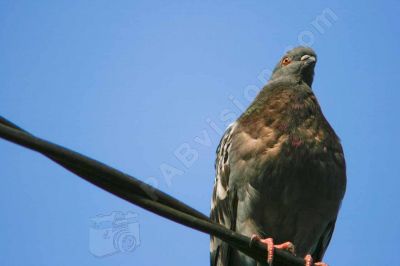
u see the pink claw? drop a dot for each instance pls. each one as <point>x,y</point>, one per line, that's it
<point>309,261</point>
<point>269,243</point>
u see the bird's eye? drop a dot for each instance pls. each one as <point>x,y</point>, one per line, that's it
<point>286,61</point>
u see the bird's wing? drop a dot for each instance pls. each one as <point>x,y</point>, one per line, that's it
<point>324,241</point>
<point>224,200</point>
<point>326,236</point>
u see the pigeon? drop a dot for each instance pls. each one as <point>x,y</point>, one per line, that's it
<point>280,170</point>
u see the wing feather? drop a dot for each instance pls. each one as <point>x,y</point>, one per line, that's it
<point>224,200</point>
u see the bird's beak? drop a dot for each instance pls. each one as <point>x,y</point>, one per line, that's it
<point>308,59</point>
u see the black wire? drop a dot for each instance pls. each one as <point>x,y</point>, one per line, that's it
<point>120,178</point>
<point>139,193</point>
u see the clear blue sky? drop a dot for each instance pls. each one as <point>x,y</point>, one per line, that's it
<point>129,82</point>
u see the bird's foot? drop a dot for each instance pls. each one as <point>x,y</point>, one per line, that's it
<point>309,261</point>
<point>269,243</point>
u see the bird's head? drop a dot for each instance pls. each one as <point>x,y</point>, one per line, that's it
<point>297,63</point>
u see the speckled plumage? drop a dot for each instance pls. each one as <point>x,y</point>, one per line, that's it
<point>280,169</point>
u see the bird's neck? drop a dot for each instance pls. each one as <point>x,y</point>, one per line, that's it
<point>282,101</point>
<point>297,78</point>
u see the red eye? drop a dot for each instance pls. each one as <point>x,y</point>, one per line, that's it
<point>286,61</point>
